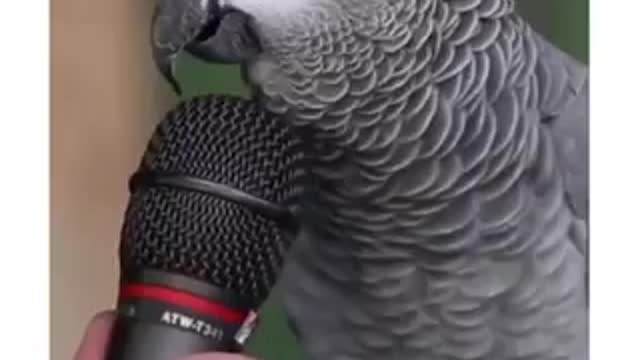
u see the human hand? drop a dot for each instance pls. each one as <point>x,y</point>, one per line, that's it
<point>96,340</point>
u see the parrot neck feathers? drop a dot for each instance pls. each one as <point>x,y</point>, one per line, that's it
<point>272,12</point>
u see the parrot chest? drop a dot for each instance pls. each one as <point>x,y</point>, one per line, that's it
<point>480,276</point>
<point>438,227</point>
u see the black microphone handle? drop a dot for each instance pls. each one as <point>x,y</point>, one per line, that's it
<point>163,316</point>
<point>137,340</point>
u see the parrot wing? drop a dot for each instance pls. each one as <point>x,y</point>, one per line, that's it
<point>565,109</point>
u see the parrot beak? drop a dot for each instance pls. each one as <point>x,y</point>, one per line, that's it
<point>203,29</point>
<point>175,24</point>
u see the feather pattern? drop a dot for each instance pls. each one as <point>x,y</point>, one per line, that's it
<point>449,211</point>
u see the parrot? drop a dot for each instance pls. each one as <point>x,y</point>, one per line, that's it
<point>448,147</point>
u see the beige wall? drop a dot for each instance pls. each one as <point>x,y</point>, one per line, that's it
<point>104,104</point>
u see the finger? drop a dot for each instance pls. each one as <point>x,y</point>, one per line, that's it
<point>96,337</point>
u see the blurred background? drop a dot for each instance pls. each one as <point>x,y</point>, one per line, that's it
<point>106,99</point>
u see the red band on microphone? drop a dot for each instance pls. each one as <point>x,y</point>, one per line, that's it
<point>179,298</point>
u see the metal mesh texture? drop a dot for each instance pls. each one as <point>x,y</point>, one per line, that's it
<point>225,140</point>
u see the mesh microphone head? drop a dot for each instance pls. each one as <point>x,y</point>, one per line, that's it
<point>224,140</point>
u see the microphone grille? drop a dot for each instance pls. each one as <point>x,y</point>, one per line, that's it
<point>229,141</point>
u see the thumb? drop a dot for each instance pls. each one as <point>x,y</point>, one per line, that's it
<point>96,337</point>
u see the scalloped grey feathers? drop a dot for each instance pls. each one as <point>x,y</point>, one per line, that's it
<point>449,146</point>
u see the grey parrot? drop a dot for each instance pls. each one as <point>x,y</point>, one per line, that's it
<point>449,151</point>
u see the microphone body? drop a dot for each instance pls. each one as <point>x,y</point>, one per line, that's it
<point>164,316</point>
<point>137,340</point>
<point>209,220</point>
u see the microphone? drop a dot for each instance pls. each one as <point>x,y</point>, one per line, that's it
<point>209,221</point>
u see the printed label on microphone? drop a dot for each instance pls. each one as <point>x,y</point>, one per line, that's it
<point>202,327</point>
<point>173,316</point>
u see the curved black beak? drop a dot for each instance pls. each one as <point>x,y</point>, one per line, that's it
<point>175,24</point>
<point>203,29</point>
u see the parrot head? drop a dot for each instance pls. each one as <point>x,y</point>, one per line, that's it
<point>235,31</point>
